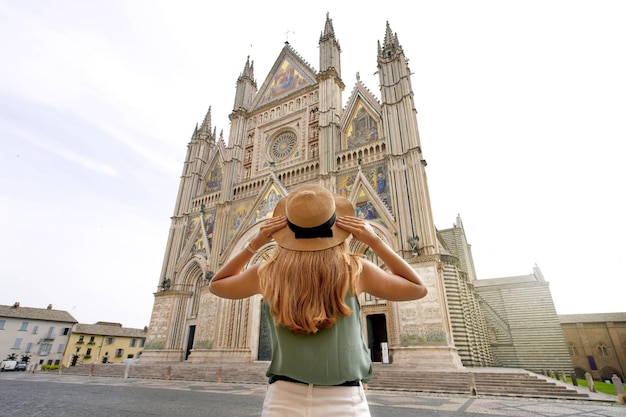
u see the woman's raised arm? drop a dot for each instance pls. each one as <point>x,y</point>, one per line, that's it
<point>230,281</point>
<point>400,283</point>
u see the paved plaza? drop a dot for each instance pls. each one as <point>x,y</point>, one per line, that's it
<point>50,394</point>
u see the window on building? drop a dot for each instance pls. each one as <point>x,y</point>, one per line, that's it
<point>2,322</point>
<point>592,363</point>
<point>603,351</point>
<point>110,340</point>
<point>29,347</point>
<point>35,329</point>
<point>119,353</point>
<point>130,356</point>
<point>133,342</point>
<point>44,349</point>
<point>142,342</point>
<point>24,326</point>
<point>92,340</point>
<point>88,354</point>
<point>61,348</point>
<point>81,339</point>
<point>50,334</point>
<point>17,343</point>
<point>66,331</point>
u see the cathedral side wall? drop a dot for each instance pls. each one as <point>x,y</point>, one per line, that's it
<point>536,339</point>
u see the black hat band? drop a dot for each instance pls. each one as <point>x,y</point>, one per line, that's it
<point>323,230</point>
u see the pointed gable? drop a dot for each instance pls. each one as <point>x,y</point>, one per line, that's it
<point>290,73</point>
<point>367,203</point>
<point>361,121</point>
<point>265,205</point>
<point>245,215</point>
<point>194,240</point>
<point>215,176</point>
<point>365,186</point>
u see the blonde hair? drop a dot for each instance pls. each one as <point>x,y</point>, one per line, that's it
<point>306,290</point>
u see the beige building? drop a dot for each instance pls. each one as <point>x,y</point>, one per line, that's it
<point>103,342</point>
<point>292,129</point>
<point>596,344</point>
<point>38,336</point>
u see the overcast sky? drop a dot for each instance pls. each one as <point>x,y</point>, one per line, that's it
<point>521,109</point>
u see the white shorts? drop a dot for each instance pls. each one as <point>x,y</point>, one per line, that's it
<point>289,399</point>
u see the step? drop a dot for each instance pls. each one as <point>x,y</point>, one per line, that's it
<point>514,383</point>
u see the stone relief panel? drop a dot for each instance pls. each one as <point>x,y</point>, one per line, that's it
<point>422,319</point>
<point>159,323</point>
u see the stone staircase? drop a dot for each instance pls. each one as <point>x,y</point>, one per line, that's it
<point>466,381</point>
<point>472,381</point>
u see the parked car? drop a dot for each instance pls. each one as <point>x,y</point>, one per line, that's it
<point>21,366</point>
<point>8,366</point>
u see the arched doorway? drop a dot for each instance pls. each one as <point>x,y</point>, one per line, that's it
<point>606,374</point>
<point>376,334</point>
<point>190,338</point>
<point>580,373</point>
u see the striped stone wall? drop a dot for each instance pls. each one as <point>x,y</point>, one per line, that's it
<point>524,327</point>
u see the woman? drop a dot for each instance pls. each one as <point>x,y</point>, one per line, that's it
<point>310,287</point>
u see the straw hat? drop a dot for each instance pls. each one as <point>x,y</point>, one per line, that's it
<point>311,211</point>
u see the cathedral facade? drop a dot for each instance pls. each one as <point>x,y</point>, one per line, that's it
<point>291,130</point>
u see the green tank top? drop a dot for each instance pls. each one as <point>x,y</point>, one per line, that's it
<point>330,357</point>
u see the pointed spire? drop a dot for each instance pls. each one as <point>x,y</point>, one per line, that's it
<point>329,31</point>
<point>248,69</point>
<point>246,86</point>
<point>388,35</point>
<point>330,50</point>
<point>206,123</point>
<point>391,45</point>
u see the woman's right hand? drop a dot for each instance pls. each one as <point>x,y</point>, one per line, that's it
<point>266,230</point>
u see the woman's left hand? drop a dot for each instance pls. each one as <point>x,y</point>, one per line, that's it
<point>360,229</point>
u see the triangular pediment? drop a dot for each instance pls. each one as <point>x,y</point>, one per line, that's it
<point>194,242</point>
<point>289,74</point>
<point>245,215</point>
<point>215,174</point>
<point>361,120</point>
<point>370,203</point>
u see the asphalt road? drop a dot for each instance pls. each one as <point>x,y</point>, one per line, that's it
<point>54,395</point>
